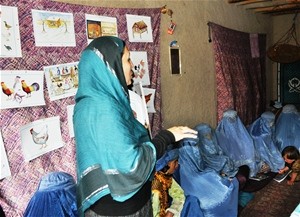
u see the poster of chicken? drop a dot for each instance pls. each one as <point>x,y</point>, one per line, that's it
<point>149,97</point>
<point>21,88</point>
<point>40,137</point>
<point>53,29</point>
<point>10,32</point>
<point>139,28</point>
<point>97,26</point>
<point>140,67</point>
<point>62,80</point>
<point>5,170</point>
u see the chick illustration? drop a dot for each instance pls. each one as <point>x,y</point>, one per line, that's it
<point>41,137</point>
<point>7,26</point>
<point>7,47</point>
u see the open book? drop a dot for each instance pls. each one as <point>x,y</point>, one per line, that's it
<point>259,177</point>
<point>281,177</point>
<point>139,105</point>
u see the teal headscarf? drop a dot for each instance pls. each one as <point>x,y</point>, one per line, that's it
<point>113,150</point>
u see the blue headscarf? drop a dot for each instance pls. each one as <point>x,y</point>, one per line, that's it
<point>236,141</point>
<point>113,150</point>
<point>288,128</point>
<point>262,131</point>
<point>56,196</point>
<point>212,153</point>
<point>211,194</point>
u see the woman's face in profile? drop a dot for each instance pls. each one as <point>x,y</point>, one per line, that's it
<point>127,66</point>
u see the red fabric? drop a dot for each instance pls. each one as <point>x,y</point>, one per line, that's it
<point>240,79</point>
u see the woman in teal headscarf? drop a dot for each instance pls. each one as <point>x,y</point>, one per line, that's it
<point>115,157</point>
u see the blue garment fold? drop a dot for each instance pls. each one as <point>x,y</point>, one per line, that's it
<point>217,196</point>
<point>211,152</point>
<point>288,128</point>
<point>236,142</point>
<point>262,131</point>
<point>56,196</point>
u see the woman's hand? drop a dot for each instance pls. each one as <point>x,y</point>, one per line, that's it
<point>183,132</point>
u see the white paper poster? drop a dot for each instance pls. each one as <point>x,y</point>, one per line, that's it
<point>62,80</point>
<point>5,170</point>
<point>97,26</point>
<point>53,29</point>
<point>139,28</point>
<point>140,67</point>
<point>40,137</point>
<point>21,89</point>
<point>10,32</point>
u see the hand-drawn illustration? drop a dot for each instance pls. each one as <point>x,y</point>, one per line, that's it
<point>40,137</point>
<point>140,67</point>
<point>98,26</point>
<point>53,29</point>
<point>139,28</point>
<point>21,89</point>
<point>10,32</point>
<point>62,80</point>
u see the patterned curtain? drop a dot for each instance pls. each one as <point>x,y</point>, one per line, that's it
<point>240,72</point>
<point>16,191</point>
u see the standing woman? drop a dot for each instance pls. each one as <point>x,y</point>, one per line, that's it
<point>115,156</point>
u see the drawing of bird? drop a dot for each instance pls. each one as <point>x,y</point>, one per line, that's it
<point>7,47</point>
<point>7,91</point>
<point>28,89</point>
<point>7,26</point>
<point>41,137</point>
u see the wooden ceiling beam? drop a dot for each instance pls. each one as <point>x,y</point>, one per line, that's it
<point>275,7</point>
<point>252,2</point>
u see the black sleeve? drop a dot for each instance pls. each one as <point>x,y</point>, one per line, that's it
<point>161,141</point>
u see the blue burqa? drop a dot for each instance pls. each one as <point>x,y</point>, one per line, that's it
<point>211,152</point>
<point>288,128</point>
<point>208,194</point>
<point>236,142</point>
<point>113,150</point>
<point>262,131</point>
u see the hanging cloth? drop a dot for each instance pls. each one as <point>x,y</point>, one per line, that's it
<point>283,51</point>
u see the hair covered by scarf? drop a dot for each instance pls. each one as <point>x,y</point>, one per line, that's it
<point>113,150</point>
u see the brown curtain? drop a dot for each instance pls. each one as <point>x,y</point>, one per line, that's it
<point>240,72</point>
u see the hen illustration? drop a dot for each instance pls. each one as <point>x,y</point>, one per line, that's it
<point>28,89</point>
<point>7,91</point>
<point>41,137</point>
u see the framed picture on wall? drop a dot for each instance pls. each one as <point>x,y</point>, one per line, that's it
<point>290,83</point>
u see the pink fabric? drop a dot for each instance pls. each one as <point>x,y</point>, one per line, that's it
<point>16,191</point>
<point>241,79</point>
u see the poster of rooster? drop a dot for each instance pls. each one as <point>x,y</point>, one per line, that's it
<point>97,26</point>
<point>40,137</point>
<point>53,29</point>
<point>62,80</point>
<point>10,32</point>
<point>139,28</point>
<point>5,170</point>
<point>140,67</point>
<point>21,89</point>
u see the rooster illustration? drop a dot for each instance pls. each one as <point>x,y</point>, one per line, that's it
<point>28,89</point>
<point>41,137</point>
<point>7,91</point>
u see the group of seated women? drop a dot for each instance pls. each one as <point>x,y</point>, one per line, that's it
<point>216,166</point>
